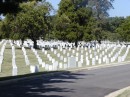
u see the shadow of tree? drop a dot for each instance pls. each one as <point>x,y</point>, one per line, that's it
<point>40,86</point>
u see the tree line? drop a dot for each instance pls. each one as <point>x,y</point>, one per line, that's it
<point>75,20</point>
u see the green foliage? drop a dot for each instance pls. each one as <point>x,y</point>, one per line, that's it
<point>11,6</point>
<point>124,30</point>
<point>71,20</point>
<point>31,22</point>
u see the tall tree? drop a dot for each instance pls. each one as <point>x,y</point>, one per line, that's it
<point>124,30</point>
<point>31,22</point>
<point>11,6</point>
<point>100,7</point>
<point>72,20</point>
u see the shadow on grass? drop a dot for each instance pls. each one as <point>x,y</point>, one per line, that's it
<point>41,86</point>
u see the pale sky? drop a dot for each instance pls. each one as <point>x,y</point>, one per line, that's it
<point>121,7</point>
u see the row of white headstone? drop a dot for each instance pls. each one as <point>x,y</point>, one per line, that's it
<point>25,56</point>
<point>2,53</point>
<point>70,61</point>
<point>14,66</point>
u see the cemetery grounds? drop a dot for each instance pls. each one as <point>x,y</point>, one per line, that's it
<point>17,60</point>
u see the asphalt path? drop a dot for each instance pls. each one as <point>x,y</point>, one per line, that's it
<point>84,83</point>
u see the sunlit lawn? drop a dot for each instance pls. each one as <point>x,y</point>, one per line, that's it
<point>23,69</point>
<point>125,94</point>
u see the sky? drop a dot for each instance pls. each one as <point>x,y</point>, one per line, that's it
<point>121,7</point>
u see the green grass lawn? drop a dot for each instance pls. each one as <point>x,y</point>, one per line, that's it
<point>125,94</point>
<point>23,69</point>
<point>7,62</point>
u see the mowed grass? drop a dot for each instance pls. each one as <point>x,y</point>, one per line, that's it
<point>20,62</point>
<point>7,62</point>
<point>125,94</point>
<point>23,69</point>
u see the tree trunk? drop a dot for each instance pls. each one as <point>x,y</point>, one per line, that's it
<point>13,41</point>
<point>99,41</point>
<point>22,41</point>
<point>35,44</point>
<point>76,43</point>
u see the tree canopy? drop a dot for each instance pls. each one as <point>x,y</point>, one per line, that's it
<point>11,6</point>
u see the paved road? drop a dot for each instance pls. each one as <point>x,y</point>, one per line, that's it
<point>93,83</point>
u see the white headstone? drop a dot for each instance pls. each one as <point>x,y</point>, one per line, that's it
<point>99,61</point>
<point>60,65</point>
<point>107,60</point>
<point>87,62</point>
<point>65,66</point>
<point>55,65</point>
<point>14,71</point>
<point>34,69</point>
<point>82,61</point>
<point>91,56</point>
<point>79,64</point>
<point>93,61</point>
<point>27,61</point>
<point>119,59</point>
<point>58,55</point>
<point>50,67</point>
<point>61,58</point>
<point>71,62</point>
<point>77,59</point>
<point>96,57</point>
<point>68,54</point>
<point>40,61</point>
<point>46,66</point>
<point>73,51</point>
<point>77,54</point>
<point>65,60</point>
<point>43,64</point>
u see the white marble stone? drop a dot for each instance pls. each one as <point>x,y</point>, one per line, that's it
<point>27,60</point>
<point>40,61</point>
<point>50,67</point>
<point>14,71</point>
<point>99,61</point>
<point>82,61</point>
<point>55,65</point>
<point>77,59</point>
<point>60,65</point>
<point>58,55</point>
<point>93,61</point>
<point>91,56</point>
<point>65,66</point>
<point>107,61</point>
<point>71,62</point>
<point>87,62</point>
<point>34,69</point>
<point>43,64</point>
<point>65,60</point>
<point>61,57</point>
<point>96,57</point>
<point>79,64</point>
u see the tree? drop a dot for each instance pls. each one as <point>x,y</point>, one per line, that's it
<point>100,7</point>
<point>31,22</point>
<point>72,20</point>
<point>6,27</point>
<point>124,30</point>
<point>11,6</point>
<point>100,12</point>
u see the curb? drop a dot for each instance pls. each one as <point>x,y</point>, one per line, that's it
<point>118,92</point>
<point>100,66</point>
